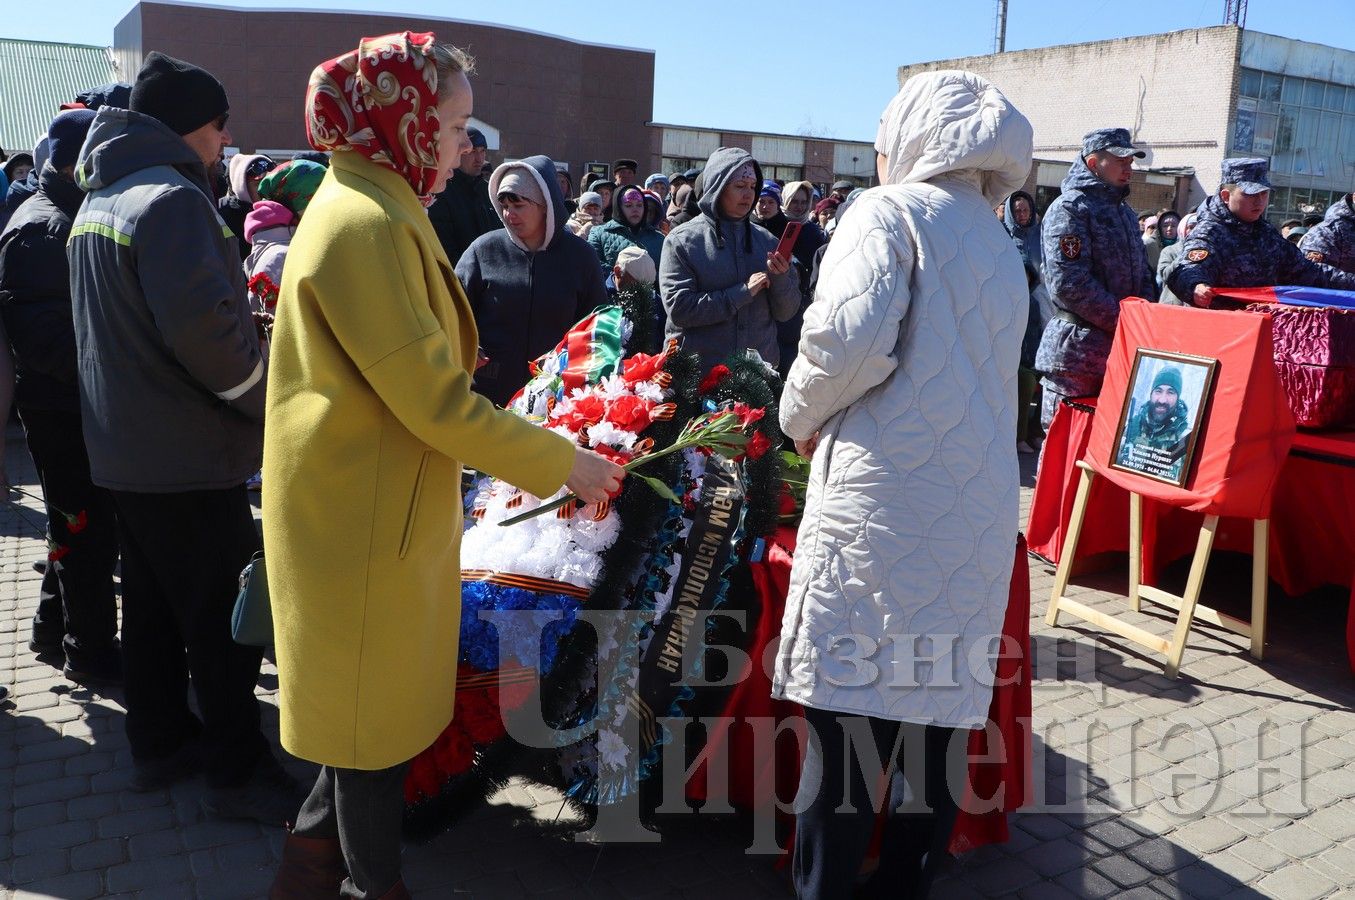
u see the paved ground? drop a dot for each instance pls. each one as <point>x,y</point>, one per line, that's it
<point>1235,780</point>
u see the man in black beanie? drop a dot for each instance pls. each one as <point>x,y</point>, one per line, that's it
<point>172,398</point>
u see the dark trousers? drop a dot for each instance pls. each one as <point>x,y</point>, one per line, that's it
<point>76,604</point>
<point>837,819</point>
<point>364,810</point>
<point>181,559</point>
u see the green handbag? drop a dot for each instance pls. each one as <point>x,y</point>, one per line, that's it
<point>252,619</point>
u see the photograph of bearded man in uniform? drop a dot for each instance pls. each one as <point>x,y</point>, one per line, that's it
<point>1166,400</point>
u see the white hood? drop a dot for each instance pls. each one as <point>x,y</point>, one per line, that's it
<point>958,124</point>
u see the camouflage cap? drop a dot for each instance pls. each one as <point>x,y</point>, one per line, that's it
<point>1250,174</point>
<point>1112,140</point>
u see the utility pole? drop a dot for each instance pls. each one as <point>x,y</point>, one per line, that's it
<point>1235,13</point>
<point>1000,27</point>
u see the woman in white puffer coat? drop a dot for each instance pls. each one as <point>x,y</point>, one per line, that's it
<point>905,393</point>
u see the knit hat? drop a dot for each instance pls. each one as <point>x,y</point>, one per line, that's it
<point>517,180</point>
<point>293,184</point>
<point>588,197</point>
<point>827,204</point>
<point>638,264</point>
<point>477,138</point>
<point>177,93</point>
<point>1170,376</point>
<point>770,189</point>
<point>656,178</point>
<point>65,136</point>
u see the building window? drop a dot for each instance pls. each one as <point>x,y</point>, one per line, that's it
<point>673,164</point>
<point>783,175</point>
<point>1307,129</point>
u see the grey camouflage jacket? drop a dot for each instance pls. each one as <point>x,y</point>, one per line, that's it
<point>1224,251</point>
<point>1093,259</point>
<point>1332,241</point>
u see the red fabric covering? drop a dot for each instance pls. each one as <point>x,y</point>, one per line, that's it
<point>999,770</point>
<point>1312,542</point>
<point>1248,426</point>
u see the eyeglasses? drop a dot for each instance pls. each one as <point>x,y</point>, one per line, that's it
<point>220,122</point>
<point>259,168</point>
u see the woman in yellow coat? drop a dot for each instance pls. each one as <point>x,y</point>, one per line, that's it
<point>370,418</point>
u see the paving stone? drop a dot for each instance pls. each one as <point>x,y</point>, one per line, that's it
<point>1122,870</point>
<point>91,807</point>
<point>244,855</point>
<point>138,821</point>
<point>1004,877</point>
<point>1208,835</point>
<point>1297,883</point>
<point>50,789</point>
<point>26,817</point>
<point>136,876</point>
<point>1055,857</point>
<point>1335,822</point>
<point>1160,855</point>
<point>1199,879</point>
<point>74,886</point>
<point>1298,841</point>
<point>52,837</point>
<point>98,854</point>
<point>1043,827</point>
<point>154,844</point>
<point>214,833</point>
<point>31,773</point>
<point>1088,883</point>
<point>31,867</point>
<point>1256,852</point>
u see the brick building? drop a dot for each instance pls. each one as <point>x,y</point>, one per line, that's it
<point>1191,98</point>
<point>532,90</point>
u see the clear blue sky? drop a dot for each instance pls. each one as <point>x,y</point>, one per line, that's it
<point>812,64</point>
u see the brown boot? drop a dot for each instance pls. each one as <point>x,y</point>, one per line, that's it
<point>398,891</point>
<point>311,868</point>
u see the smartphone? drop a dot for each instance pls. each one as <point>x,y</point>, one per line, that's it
<point>788,239</point>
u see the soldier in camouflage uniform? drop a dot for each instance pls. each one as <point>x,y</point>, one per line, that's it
<point>1332,241</point>
<point>1094,258</point>
<point>1161,424</point>
<point>1234,246</point>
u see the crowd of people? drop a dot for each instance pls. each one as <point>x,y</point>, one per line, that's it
<point>342,329</point>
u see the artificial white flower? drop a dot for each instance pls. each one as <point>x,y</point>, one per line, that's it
<point>650,391</point>
<point>612,750</point>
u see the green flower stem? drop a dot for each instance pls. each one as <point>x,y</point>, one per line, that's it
<point>690,437</point>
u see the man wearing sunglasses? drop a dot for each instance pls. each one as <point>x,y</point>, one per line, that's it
<point>171,400</point>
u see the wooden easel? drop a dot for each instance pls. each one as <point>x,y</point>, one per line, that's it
<point>1187,605</point>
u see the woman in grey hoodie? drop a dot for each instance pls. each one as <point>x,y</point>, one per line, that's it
<point>723,289</point>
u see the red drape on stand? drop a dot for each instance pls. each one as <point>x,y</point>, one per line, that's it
<point>1312,541</point>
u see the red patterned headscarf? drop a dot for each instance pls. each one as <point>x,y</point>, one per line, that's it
<point>380,100</point>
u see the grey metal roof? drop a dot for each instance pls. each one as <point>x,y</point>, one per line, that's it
<point>36,77</point>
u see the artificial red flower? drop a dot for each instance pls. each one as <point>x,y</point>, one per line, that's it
<point>265,289</point>
<point>588,410</point>
<point>57,552</point>
<point>642,367</point>
<point>758,445</point>
<point>77,523</point>
<point>629,413</point>
<point>713,379</point>
<point>747,415</point>
<point>620,457</point>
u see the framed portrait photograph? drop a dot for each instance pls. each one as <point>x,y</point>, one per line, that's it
<point>1165,404</point>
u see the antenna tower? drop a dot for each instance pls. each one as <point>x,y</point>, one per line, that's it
<point>1235,13</point>
<point>1000,27</point>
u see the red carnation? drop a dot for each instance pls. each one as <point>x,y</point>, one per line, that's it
<point>587,410</point>
<point>713,379</point>
<point>77,523</point>
<point>758,445</point>
<point>57,552</point>
<point>642,367</point>
<point>629,413</point>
